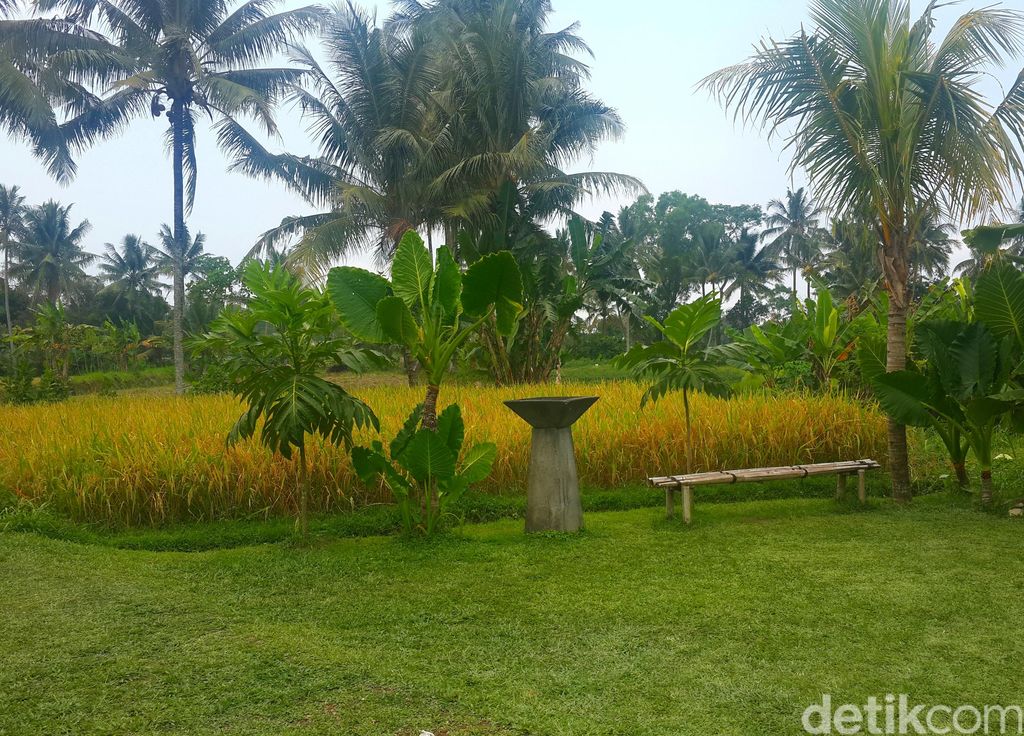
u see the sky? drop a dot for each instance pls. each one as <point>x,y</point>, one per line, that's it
<point>648,57</point>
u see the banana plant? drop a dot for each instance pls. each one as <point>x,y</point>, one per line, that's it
<point>422,468</point>
<point>429,309</point>
<point>765,350</point>
<point>830,339</point>
<point>680,362</point>
<point>963,392</point>
<point>275,351</point>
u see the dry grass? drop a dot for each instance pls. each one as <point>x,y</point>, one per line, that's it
<point>150,459</point>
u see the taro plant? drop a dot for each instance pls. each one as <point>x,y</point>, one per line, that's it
<point>422,468</point>
<point>680,362</point>
<point>428,309</point>
<point>962,392</point>
<point>275,351</point>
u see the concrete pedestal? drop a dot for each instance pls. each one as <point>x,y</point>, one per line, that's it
<point>553,489</point>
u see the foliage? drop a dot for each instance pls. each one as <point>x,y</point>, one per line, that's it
<point>678,362</point>
<point>421,309</point>
<point>579,269</point>
<point>275,351</point>
<point>422,468</point>
<point>960,394</point>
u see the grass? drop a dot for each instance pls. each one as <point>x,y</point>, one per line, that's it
<point>638,626</point>
<point>152,460</point>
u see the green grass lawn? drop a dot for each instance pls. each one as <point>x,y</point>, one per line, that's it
<point>637,626</point>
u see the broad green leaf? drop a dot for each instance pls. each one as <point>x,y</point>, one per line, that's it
<point>370,464</point>
<point>447,283</point>
<point>904,396</point>
<point>975,353</point>
<point>405,434</point>
<point>451,490</point>
<point>412,273</point>
<point>427,456</point>
<point>495,281</point>
<point>688,323</point>
<point>478,462</point>
<point>355,293</point>
<point>871,358</point>
<point>578,246</point>
<point>451,428</point>
<point>397,322</point>
<point>999,301</point>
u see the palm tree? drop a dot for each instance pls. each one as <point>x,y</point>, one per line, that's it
<point>752,270</point>
<point>931,248</point>
<point>52,261</point>
<point>131,272</point>
<point>12,226</point>
<point>199,56</point>
<point>373,119</point>
<point>417,130</point>
<point>791,224</point>
<point>518,110</point>
<point>34,88</point>
<point>851,267</point>
<point>983,254</point>
<point>886,120</point>
<point>179,257</point>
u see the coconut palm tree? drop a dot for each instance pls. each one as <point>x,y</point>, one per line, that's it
<point>790,225</point>
<point>885,119</point>
<point>35,91</point>
<point>931,248</point>
<point>132,271</point>
<point>182,59</point>
<point>752,272</point>
<point>984,254</point>
<point>851,267</point>
<point>12,226</point>
<point>373,113</point>
<point>179,257</point>
<point>518,109</point>
<point>52,261</point>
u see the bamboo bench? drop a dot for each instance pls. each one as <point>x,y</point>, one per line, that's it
<point>686,483</point>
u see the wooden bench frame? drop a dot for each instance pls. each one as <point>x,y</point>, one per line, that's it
<point>686,483</point>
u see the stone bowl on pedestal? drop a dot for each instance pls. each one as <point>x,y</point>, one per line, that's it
<point>553,488</point>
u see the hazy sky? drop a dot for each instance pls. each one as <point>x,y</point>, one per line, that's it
<point>648,56</point>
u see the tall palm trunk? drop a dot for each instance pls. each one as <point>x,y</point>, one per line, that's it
<point>7,299</point>
<point>178,318</point>
<point>894,264</point>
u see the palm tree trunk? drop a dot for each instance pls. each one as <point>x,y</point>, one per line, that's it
<point>7,300</point>
<point>896,360</point>
<point>178,156</point>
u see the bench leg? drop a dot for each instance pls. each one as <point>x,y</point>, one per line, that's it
<point>687,504</point>
<point>670,502</point>
<point>862,489</point>
<point>840,486</point>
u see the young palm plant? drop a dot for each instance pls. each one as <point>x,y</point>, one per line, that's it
<point>275,351</point>
<point>887,120</point>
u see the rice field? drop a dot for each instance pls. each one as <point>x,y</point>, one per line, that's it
<point>153,459</point>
